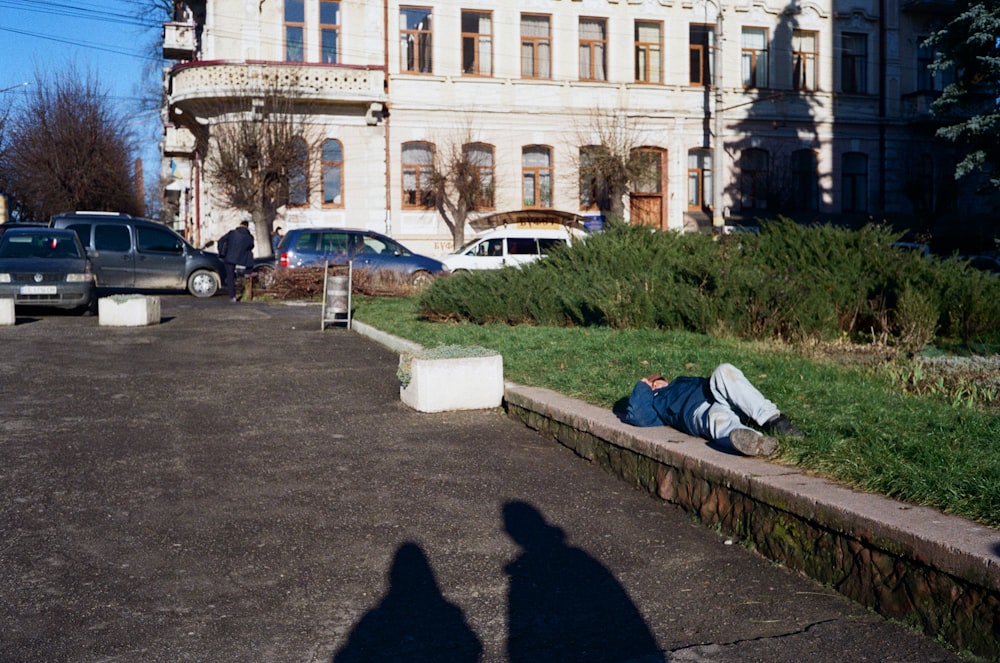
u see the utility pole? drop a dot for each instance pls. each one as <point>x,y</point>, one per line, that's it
<point>718,220</point>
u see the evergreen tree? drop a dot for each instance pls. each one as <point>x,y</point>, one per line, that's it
<point>968,48</point>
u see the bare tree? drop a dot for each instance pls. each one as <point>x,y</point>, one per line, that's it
<point>67,148</point>
<point>257,161</point>
<point>462,181</point>
<point>608,161</point>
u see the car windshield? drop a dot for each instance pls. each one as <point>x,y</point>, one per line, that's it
<point>38,245</point>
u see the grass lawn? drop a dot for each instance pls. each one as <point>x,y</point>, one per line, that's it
<point>861,429</point>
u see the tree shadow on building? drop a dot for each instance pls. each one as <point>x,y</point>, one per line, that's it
<point>564,605</point>
<point>413,622</point>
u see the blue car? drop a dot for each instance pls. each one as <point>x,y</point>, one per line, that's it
<point>312,247</point>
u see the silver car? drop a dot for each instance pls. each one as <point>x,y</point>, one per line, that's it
<point>45,267</point>
<point>130,253</point>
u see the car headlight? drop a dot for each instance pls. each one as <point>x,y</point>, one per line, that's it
<point>79,277</point>
<point>4,277</point>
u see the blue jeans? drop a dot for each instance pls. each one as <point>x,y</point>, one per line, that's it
<point>734,399</point>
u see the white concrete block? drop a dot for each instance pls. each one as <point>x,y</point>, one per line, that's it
<point>460,383</point>
<point>7,316</point>
<point>128,311</point>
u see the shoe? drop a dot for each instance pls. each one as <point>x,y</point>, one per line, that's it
<point>232,299</point>
<point>751,443</point>
<point>779,424</point>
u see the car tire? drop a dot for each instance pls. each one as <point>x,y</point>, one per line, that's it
<point>421,278</point>
<point>203,283</point>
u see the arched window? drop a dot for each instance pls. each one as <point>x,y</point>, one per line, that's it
<point>418,165</point>
<point>480,158</point>
<point>536,175</point>
<point>298,174</point>
<point>754,167</point>
<point>854,182</point>
<point>333,173</point>
<point>805,180</point>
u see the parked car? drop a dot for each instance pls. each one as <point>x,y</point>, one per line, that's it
<point>508,247</point>
<point>985,262</point>
<point>10,225</point>
<point>131,253</point>
<point>310,247</point>
<point>45,267</point>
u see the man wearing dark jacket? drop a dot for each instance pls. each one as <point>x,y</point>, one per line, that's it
<point>236,249</point>
<point>713,408</point>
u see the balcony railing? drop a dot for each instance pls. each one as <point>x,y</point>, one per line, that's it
<point>179,41</point>
<point>204,81</point>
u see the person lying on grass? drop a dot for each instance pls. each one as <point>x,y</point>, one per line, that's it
<point>714,408</point>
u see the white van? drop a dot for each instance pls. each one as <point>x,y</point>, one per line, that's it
<point>509,246</point>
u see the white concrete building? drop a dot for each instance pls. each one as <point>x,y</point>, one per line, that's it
<point>822,106</point>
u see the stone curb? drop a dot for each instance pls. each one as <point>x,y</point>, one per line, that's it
<point>935,572</point>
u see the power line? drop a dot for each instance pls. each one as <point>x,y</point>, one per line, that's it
<point>106,49</point>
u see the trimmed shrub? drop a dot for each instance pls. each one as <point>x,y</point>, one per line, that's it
<point>791,282</point>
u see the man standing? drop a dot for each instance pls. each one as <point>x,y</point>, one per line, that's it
<point>236,250</point>
<point>713,408</point>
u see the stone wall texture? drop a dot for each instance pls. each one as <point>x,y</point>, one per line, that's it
<point>951,599</point>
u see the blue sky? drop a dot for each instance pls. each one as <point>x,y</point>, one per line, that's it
<point>103,37</point>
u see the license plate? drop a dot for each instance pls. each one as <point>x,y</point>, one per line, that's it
<point>38,290</point>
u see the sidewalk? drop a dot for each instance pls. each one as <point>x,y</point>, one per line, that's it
<point>235,485</point>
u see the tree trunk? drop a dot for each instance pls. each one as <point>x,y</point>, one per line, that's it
<point>262,232</point>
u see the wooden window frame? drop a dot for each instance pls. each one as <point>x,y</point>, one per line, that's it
<point>326,165</point>
<point>592,46</point>
<point>417,36</point>
<point>649,55</point>
<point>420,172</point>
<point>535,44</point>
<point>537,172</point>
<point>477,66</point>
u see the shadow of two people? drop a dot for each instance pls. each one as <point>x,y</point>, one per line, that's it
<point>563,605</point>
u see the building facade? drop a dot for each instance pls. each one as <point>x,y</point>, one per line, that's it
<point>741,108</point>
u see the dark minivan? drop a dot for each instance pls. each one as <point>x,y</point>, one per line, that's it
<point>131,253</point>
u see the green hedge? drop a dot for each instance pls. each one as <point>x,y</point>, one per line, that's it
<point>790,281</point>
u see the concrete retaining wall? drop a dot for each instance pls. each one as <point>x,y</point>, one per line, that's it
<point>937,573</point>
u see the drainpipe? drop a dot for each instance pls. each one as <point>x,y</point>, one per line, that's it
<point>718,220</point>
<point>386,117</point>
<point>882,82</point>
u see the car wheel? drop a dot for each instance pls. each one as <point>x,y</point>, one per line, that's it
<point>421,278</point>
<point>203,283</point>
<point>265,277</point>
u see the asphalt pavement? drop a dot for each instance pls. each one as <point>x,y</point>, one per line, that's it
<point>235,484</point>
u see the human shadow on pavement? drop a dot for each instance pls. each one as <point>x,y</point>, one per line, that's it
<point>413,623</point>
<point>564,605</point>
